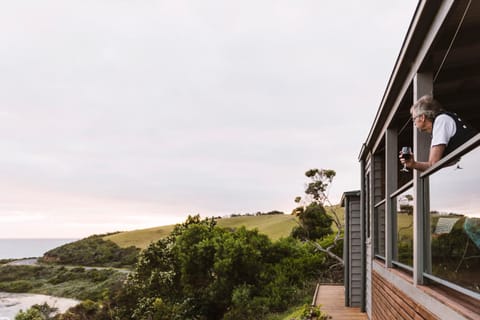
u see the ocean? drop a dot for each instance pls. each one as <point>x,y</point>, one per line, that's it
<point>26,248</point>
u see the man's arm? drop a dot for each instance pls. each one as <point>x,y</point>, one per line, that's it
<point>436,153</point>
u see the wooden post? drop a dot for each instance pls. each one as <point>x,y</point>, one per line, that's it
<point>422,85</point>
<point>391,166</point>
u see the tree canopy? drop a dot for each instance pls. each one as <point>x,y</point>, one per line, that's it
<point>206,272</point>
<point>314,222</point>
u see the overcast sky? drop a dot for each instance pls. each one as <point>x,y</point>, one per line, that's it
<point>119,115</point>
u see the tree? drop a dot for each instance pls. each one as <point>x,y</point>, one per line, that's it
<point>314,222</point>
<point>202,271</point>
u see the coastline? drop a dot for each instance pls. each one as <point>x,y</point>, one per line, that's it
<point>12,303</point>
<point>27,248</point>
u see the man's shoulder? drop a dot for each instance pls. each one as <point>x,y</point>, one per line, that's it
<point>445,117</point>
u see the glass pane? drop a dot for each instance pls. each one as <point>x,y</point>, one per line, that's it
<point>455,223</point>
<point>380,230</point>
<point>403,226</point>
<point>379,178</point>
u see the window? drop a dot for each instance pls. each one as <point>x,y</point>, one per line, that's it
<point>403,228</point>
<point>453,238</point>
<point>379,230</point>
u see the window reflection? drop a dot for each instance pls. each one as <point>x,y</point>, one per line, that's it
<point>379,226</point>
<point>455,223</point>
<point>403,222</point>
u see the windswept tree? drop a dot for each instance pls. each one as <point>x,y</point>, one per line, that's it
<point>315,224</point>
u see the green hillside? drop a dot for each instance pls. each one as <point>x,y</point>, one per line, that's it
<point>140,238</point>
<point>275,226</point>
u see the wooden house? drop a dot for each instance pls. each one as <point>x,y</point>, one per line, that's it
<point>419,232</point>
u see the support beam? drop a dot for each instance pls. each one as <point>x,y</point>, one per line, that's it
<point>346,252</point>
<point>363,235</point>
<point>422,84</point>
<point>391,166</point>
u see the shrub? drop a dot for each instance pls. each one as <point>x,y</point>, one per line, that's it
<point>17,286</point>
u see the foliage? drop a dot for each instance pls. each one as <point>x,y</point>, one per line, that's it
<point>202,271</point>
<point>455,257</point>
<point>86,310</point>
<point>37,312</point>
<point>92,251</point>
<point>5,261</point>
<point>308,312</point>
<point>314,222</point>
<point>77,283</point>
<point>320,181</point>
<point>30,314</point>
<point>17,286</point>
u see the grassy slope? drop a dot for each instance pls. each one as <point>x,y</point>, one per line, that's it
<point>140,238</point>
<point>275,226</point>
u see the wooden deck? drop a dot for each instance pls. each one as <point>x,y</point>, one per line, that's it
<point>332,301</point>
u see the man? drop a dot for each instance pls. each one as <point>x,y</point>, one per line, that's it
<point>447,129</point>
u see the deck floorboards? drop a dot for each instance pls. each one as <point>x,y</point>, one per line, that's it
<point>332,301</point>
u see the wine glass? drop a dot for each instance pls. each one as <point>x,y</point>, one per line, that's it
<point>406,154</point>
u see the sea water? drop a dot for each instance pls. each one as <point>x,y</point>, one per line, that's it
<point>12,303</point>
<point>26,248</point>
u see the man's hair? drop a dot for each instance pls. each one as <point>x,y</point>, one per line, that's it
<point>428,106</point>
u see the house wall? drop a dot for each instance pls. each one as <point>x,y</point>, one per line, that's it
<point>395,297</point>
<point>391,303</point>
<point>413,290</point>
<point>355,256</point>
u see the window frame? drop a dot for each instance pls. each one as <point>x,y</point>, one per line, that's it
<point>393,195</point>
<point>424,178</point>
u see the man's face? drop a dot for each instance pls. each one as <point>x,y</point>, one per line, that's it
<point>419,121</point>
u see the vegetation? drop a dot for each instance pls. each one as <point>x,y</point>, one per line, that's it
<point>75,283</point>
<point>37,312</point>
<point>203,271</point>
<point>275,226</point>
<point>314,222</point>
<point>92,251</point>
<point>245,267</point>
<point>307,312</point>
<point>455,257</point>
<point>200,271</point>
<point>5,261</point>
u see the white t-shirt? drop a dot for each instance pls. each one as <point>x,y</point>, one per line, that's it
<point>444,128</point>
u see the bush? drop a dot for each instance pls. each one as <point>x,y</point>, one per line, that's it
<point>17,286</point>
<point>308,312</point>
<point>92,251</point>
<point>205,272</point>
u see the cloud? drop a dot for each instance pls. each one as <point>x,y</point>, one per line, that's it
<point>163,108</point>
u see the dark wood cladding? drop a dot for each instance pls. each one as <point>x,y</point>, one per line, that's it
<point>388,302</point>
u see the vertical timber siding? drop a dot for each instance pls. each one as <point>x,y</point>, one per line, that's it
<point>355,250</point>
<point>355,254</point>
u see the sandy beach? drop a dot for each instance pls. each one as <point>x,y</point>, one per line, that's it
<point>12,303</point>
